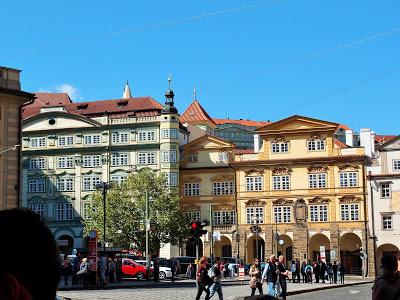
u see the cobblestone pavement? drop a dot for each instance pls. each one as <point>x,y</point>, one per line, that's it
<point>177,293</point>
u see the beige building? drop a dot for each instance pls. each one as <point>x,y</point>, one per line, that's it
<point>303,194</point>
<point>11,101</point>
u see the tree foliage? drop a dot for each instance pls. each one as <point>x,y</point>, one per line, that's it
<point>125,212</point>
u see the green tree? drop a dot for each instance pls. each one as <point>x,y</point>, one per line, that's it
<point>125,212</point>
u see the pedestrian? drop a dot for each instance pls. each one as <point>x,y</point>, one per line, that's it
<point>342,271</point>
<point>189,271</point>
<point>112,266</point>
<point>231,268</point>
<point>330,272</point>
<point>293,270</point>
<point>298,270</point>
<point>118,268</point>
<point>322,271</point>
<point>172,265</point>
<point>203,280</point>
<point>335,269</point>
<point>270,275</point>
<point>317,271</point>
<point>283,274</point>
<point>387,285</point>
<point>66,268</point>
<point>75,266</point>
<point>216,276</point>
<point>255,277</point>
<point>303,272</point>
<point>156,268</point>
<point>83,272</point>
<point>102,270</point>
<point>309,271</point>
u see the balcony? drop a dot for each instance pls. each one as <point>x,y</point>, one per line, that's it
<point>224,228</point>
<point>134,120</point>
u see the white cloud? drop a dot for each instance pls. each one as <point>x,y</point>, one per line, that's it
<point>72,91</point>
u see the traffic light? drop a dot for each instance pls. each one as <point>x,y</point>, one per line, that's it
<point>196,229</point>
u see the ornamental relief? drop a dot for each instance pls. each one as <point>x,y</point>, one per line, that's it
<point>223,207</point>
<point>318,200</point>
<point>280,139</point>
<point>317,169</point>
<point>190,179</point>
<point>223,178</point>
<point>316,137</point>
<point>348,166</point>
<point>282,201</point>
<point>255,202</point>
<point>350,198</point>
<point>259,171</point>
<point>281,171</point>
<point>189,208</point>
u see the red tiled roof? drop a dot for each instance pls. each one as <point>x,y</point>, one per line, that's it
<point>344,127</point>
<point>241,122</point>
<point>384,138</point>
<point>340,144</point>
<point>51,99</point>
<point>244,151</point>
<point>139,106</point>
<point>194,113</point>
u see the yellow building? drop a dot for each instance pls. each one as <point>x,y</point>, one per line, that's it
<point>303,195</point>
<point>207,190</point>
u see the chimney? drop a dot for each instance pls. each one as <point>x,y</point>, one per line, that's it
<point>349,138</point>
<point>372,142</point>
<point>256,143</point>
<point>9,78</point>
<point>366,141</point>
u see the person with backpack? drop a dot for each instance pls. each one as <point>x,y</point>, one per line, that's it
<point>330,272</point>
<point>270,275</point>
<point>387,285</point>
<point>255,277</point>
<point>216,276</point>
<point>309,271</point>
<point>317,271</point>
<point>203,280</point>
<point>293,271</point>
<point>83,272</point>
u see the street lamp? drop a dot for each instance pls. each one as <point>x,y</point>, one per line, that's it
<point>104,186</point>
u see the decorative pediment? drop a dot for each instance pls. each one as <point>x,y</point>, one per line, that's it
<point>36,200</point>
<point>119,171</point>
<point>282,201</point>
<point>90,172</point>
<point>279,139</point>
<point>315,137</point>
<point>317,169</point>
<point>348,166</point>
<point>255,202</point>
<point>65,173</point>
<point>188,208</point>
<point>281,171</point>
<point>189,179</point>
<point>223,207</point>
<point>223,178</point>
<point>350,198</point>
<point>259,171</point>
<point>318,200</point>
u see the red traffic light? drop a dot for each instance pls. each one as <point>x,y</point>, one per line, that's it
<point>194,225</point>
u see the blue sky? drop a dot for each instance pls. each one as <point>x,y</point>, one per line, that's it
<point>265,61</point>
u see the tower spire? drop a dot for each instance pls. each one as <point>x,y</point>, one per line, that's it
<point>194,94</point>
<point>127,91</point>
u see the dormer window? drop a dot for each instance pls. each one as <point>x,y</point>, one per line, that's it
<point>122,103</point>
<point>83,106</point>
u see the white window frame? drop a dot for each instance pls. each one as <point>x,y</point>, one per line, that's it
<point>316,145</point>
<point>192,215</point>
<point>224,217</point>
<point>89,182</point>
<point>38,208</point>
<point>65,162</point>
<point>37,185</point>
<point>192,158</point>
<point>119,159</point>
<point>65,141</point>
<point>350,212</point>
<point>91,161</point>
<point>385,190</point>
<point>317,180</point>
<point>348,179</point>
<point>396,164</point>
<point>85,210</point>
<point>119,178</point>
<point>280,182</point>
<point>169,156</point>
<point>64,211</point>
<point>146,136</point>
<point>318,213</point>
<point>223,156</point>
<point>38,142</point>
<point>192,189</point>
<point>254,183</point>
<point>37,163</point>
<point>282,214</point>
<point>120,137</point>
<point>255,214</point>
<point>65,184</point>
<point>223,188</point>
<point>280,147</point>
<point>387,222</point>
<point>171,179</point>
<point>146,158</point>
<point>169,133</point>
<point>92,139</point>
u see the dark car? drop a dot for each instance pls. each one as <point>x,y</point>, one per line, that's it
<point>184,262</point>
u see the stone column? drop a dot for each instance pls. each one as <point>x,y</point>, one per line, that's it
<point>268,240</point>
<point>371,259</point>
<point>242,242</point>
<point>335,237</point>
<point>300,240</point>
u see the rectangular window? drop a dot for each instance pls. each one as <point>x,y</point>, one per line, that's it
<point>120,159</point>
<point>64,212</point>
<point>171,179</point>
<point>90,182</point>
<point>38,208</point>
<point>146,158</point>
<point>396,165</point>
<point>223,188</point>
<point>280,147</point>
<point>120,137</point>
<point>85,210</point>
<point>65,141</point>
<point>349,212</point>
<point>92,139</point>
<point>281,182</point>
<point>90,161</point>
<point>387,222</point>
<point>254,183</point>
<point>65,184</point>
<point>37,163</point>
<point>192,216</point>
<point>385,190</point>
<point>170,133</point>
<point>119,179</point>
<point>255,215</point>
<point>222,156</point>
<point>36,185</point>
<point>282,214</point>
<point>319,213</point>
<point>317,145</point>
<point>147,136</point>
<point>224,217</point>
<point>39,142</point>
<point>65,162</point>
<point>316,181</point>
<point>192,189</point>
<point>168,156</point>
<point>348,179</point>
<point>192,158</point>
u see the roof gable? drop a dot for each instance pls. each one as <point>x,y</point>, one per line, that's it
<point>208,142</point>
<point>195,113</point>
<point>391,143</point>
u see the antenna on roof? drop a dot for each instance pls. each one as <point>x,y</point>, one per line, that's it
<point>194,94</point>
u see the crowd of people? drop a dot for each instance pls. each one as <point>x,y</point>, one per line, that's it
<point>322,271</point>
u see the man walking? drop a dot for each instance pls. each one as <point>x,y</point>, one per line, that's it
<point>283,273</point>
<point>216,276</point>
<point>342,271</point>
<point>270,275</point>
<point>335,271</point>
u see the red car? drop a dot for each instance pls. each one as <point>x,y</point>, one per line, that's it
<point>133,269</point>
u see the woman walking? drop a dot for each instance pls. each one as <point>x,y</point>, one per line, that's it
<point>255,277</point>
